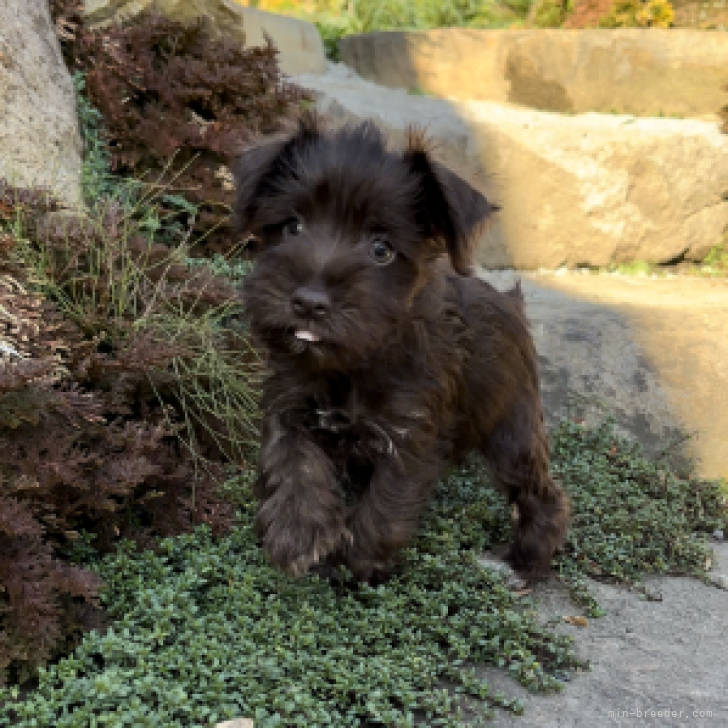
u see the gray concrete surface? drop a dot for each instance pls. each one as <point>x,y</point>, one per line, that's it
<point>654,352</point>
<point>645,656</point>
<point>651,352</point>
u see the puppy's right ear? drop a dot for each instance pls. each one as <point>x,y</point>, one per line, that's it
<point>263,161</point>
<point>249,170</point>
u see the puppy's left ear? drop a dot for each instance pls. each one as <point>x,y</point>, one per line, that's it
<point>449,208</point>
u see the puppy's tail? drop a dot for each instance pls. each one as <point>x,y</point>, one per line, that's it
<point>516,294</point>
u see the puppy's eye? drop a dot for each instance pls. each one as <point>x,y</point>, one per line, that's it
<point>381,251</point>
<point>293,227</point>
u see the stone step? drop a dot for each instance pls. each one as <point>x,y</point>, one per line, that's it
<point>630,70</point>
<point>581,190</point>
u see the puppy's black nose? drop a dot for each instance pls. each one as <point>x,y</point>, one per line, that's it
<point>310,303</point>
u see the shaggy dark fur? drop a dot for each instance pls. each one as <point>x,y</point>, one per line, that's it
<point>388,362</point>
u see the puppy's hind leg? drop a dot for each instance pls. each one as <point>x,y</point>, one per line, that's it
<point>518,453</point>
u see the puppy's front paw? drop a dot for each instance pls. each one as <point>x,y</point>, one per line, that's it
<point>320,546</point>
<point>294,545</point>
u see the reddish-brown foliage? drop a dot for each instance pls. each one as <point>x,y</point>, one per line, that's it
<point>88,440</point>
<point>89,412</point>
<point>176,98</point>
<point>35,617</point>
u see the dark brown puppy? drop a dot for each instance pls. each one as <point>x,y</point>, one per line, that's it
<point>388,362</point>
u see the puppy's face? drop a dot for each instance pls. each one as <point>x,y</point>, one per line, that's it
<point>345,235</point>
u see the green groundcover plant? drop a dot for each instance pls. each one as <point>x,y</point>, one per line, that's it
<point>632,515</point>
<point>205,630</point>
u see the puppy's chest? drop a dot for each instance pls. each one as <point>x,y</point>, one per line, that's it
<point>341,423</point>
<point>347,426</point>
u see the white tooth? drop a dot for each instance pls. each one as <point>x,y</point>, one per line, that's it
<point>306,336</point>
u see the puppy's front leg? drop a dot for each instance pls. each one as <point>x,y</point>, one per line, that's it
<point>301,517</point>
<point>386,518</point>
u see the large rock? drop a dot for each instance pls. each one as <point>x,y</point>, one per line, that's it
<point>575,190</point>
<point>299,43</point>
<point>39,137</point>
<point>635,71</point>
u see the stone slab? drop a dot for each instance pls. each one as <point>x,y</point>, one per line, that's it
<point>647,657</point>
<point>632,71</point>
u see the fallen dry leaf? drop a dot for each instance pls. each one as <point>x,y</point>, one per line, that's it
<point>708,563</point>
<point>577,621</point>
<point>521,593</point>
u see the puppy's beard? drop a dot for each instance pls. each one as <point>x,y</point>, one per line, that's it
<point>312,347</point>
<point>298,346</point>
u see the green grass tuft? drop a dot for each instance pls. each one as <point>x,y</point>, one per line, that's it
<point>635,268</point>
<point>717,259</point>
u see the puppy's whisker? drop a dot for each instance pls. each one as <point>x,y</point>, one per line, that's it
<point>391,449</point>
